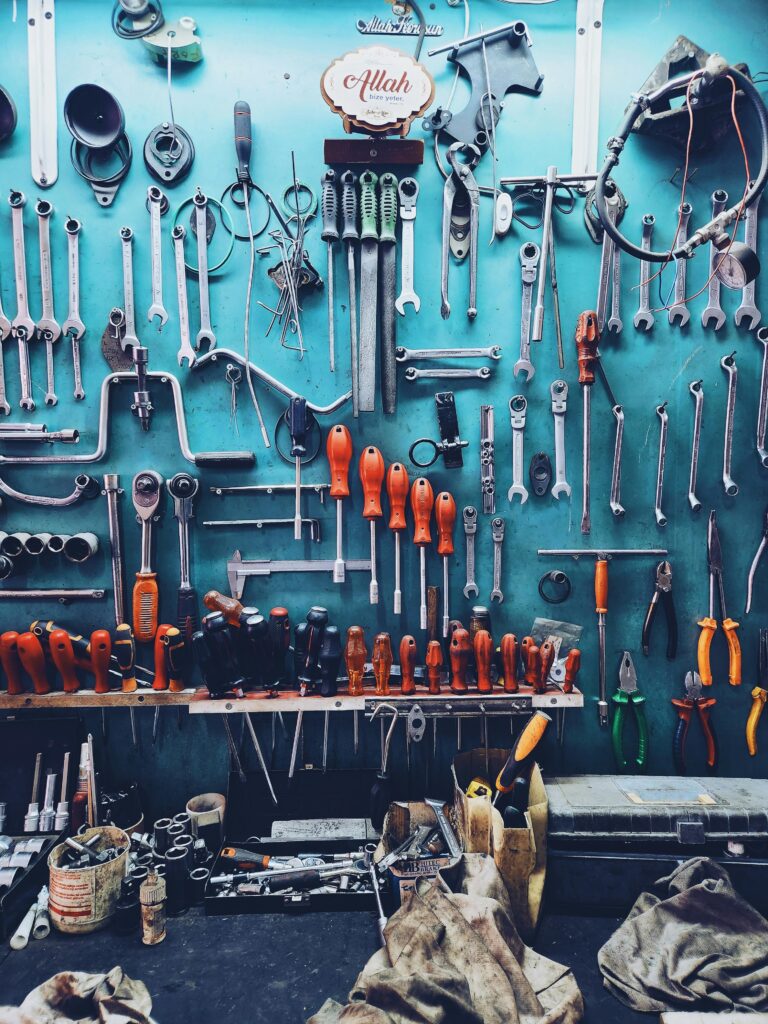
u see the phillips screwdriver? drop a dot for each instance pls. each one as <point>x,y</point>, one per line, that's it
<point>587,339</point>
<point>338,448</point>
<point>63,657</point>
<point>280,640</point>
<point>459,656</point>
<point>32,658</point>
<point>381,660</point>
<point>252,648</point>
<point>397,492</point>
<point>147,491</point>
<point>81,647</point>
<point>100,653</point>
<point>124,648</point>
<point>371,477</point>
<point>434,662</point>
<point>546,658</point>
<point>299,420</point>
<point>329,204</point>
<point>445,518</point>
<point>422,500</point>
<point>182,488</point>
<point>308,636</point>
<point>532,666</point>
<point>483,650</point>
<point>9,658</point>
<point>408,655</point>
<point>508,649</point>
<point>350,235</point>
<point>328,661</point>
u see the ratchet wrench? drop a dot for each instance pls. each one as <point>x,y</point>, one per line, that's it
<point>408,191</point>
<point>714,314</point>
<point>728,363</point>
<point>206,331</point>
<point>678,311</point>
<point>559,394</point>
<point>73,327</point>
<point>469,517</point>
<point>517,409</point>
<point>48,328</point>
<point>22,326</point>
<point>497,532</point>
<point>748,311</point>
<point>129,336</point>
<point>185,343</point>
<point>158,204</point>
<point>529,262</point>
<point>644,317</point>
<point>697,391</point>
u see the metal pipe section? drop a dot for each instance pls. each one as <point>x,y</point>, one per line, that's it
<point>112,491</point>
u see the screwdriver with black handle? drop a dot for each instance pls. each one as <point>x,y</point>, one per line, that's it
<point>329,205</point>
<point>183,487</point>
<point>299,420</point>
<point>514,776</point>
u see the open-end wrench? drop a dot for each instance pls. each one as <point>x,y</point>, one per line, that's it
<point>157,203</point>
<point>469,516</point>
<point>762,410</point>
<point>661,412</point>
<point>497,532</point>
<point>697,391</point>
<point>615,324</point>
<point>5,332</point>
<point>615,499</point>
<point>606,262</point>
<point>408,191</point>
<point>713,315</point>
<point>73,327</point>
<point>129,307</point>
<point>206,331</point>
<point>48,328</point>
<point>416,355</point>
<point>448,373</point>
<point>529,262</point>
<point>185,343</point>
<point>644,317</point>
<point>517,409</point>
<point>678,312</point>
<point>22,325</point>
<point>559,393</point>
<point>728,363</point>
<point>748,311</point>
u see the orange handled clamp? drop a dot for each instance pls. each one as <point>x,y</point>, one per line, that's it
<point>483,649</point>
<point>508,649</point>
<point>63,657</point>
<point>9,657</point>
<point>407,665</point>
<point>459,654</point>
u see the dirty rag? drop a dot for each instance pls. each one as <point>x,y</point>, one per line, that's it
<point>74,997</point>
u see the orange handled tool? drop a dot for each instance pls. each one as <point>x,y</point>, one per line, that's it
<point>759,693</point>
<point>63,657</point>
<point>371,468</point>
<point>32,657</point>
<point>601,607</point>
<point>124,649</point>
<point>174,649</point>
<point>546,658</point>
<point>100,650</point>
<point>587,338</point>
<point>434,662</point>
<point>708,624</point>
<point>483,649</point>
<point>381,660</point>
<point>508,648</point>
<point>355,654</point>
<point>532,666</point>
<point>160,682</point>
<point>230,607</point>
<point>147,492</point>
<point>397,492</point>
<point>445,518</point>
<point>338,448</point>
<point>459,652</point>
<point>9,657</point>
<point>522,753</point>
<point>572,666</point>
<point>408,654</point>
<point>422,500</point>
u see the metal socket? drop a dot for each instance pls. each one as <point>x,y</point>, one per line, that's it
<point>13,545</point>
<point>80,547</point>
<point>37,544</point>
<point>56,542</point>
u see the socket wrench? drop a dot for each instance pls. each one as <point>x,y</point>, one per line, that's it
<point>469,517</point>
<point>529,261</point>
<point>497,532</point>
<point>408,191</point>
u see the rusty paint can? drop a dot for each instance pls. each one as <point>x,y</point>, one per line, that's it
<point>83,900</point>
<point>152,899</point>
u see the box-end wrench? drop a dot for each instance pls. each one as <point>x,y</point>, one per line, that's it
<point>661,412</point>
<point>748,311</point>
<point>697,391</point>
<point>48,329</point>
<point>158,204</point>
<point>615,324</point>
<point>185,342</point>
<point>713,315</point>
<point>678,312</point>
<point>22,325</point>
<point>728,363</point>
<point>606,263</point>
<point>529,262</point>
<point>201,213</point>
<point>497,532</point>
<point>615,499</point>
<point>517,409</point>
<point>129,338</point>
<point>644,317</point>
<point>73,327</point>
<point>5,332</point>
<point>762,410</point>
<point>469,517</point>
<point>408,191</point>
<point>414,355</point>
<point>559,393</point>
<point>448,373</point>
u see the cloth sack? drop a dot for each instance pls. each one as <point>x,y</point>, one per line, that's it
<point>74,997</point>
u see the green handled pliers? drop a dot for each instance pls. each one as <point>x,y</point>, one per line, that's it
<point>626,695</point>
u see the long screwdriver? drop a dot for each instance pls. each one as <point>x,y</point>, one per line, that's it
<point>338,447</point>
<point>350,235</point>
<point>445,518</point>
<point>298,419</point>
<point>397,492</point>
<point>587,339</point>
<point>422,500</point>
<point>371,477</point>
<point>601,607</point>
<point>329,205</point>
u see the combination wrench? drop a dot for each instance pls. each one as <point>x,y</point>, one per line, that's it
<point>497,532</point>
<point>73,327</point>
<point>5,332</point>
<point>615,324</point>
<point>644,317</point>
<point>448,373</point>
<point>678,312</point>
<point>607,262</point>
<point>697,392</point>
<point>414,355</point>
<point>48,329</point>
<point>713,315</point>
<point>129,336</point>
<point>185,342</point>
<point>22,326</point>
<point>206,331</point>
<point>748,310</point>
<point>408,191</point>
<point>469,517</point>
<point>158,204</point>
<point>661,412</point>
<point>517,409</point>
<point>728,363</point>
<point>762,411</point>
<point>559,394</point>
<point>529,262</point>
<point>615,499</point>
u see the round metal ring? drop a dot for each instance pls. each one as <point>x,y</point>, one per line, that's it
<point>558,579</point>
<point>432,461</point>
<point>230,192</point>
<point>292,212</point>
<point>231,230</point>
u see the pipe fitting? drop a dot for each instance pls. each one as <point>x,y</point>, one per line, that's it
<point>80,547</point>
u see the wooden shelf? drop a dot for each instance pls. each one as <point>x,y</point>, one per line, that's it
<point>89,699</point>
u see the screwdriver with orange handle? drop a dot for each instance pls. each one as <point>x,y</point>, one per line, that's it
<point>371,467</point>
<point>174,658</point>
<point>63,658</point>
<point>100,652</point>
<point>160,681</point>
<point>397,492</point>
<point>587,339</point>
<point>408,655</point>
<point>422,500</point>
<point>338,448</point>
<point>572,666</point>
<point>532,665</point>
<point>459,654</point>
<point>147,491</point>
<point>434,663</point>
<point>32,657</point>
<point>709,624</point>
<point>508,649</point>
<point>445,518</point>
<point>546,659</point>
<point>124,649</point>
<point>43,629</point>
<point>9,658</point>
<point>230,607</point>
<point>381,660</point>
<point>514,777</point>
<point>483,649</point>
<point>355,654</point>
<point>601,608</point>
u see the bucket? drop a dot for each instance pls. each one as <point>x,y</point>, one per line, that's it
<point>83,899</point>
<point>207,813</point>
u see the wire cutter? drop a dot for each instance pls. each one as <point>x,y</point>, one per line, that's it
<point>708,624</point>
<point>685,706</point>
<point>662,593</point>
<point>628,695</point>
<point>756,562</point>
<point>461,219</point>
<point>759,694</point>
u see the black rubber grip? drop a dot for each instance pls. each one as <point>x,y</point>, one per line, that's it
<point>669,611</point>
<point>186,612</point>
<point>349,206</point>
<point>330,207</point>
<point>243,140</point>
<point>678,744</point>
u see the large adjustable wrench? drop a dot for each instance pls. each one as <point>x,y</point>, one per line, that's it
<point>48,328</point>
<point>408,191</point>
<point>497,532</point>
<point>469,517</point>
<point>644,317</point>
<point>714,314</point>
<point>185,342</point>
<point>22,326</point>
<point>73,327</point>
<point>129,306</point>
<point>529,261</point>
<point>157,204</point>
<point>678,312</point>
<point>606,262</point>
<point>517,409</point>
<point>748,311</point>
<point>559,394</point>
<point>206,331</point>
<point>728,363</point>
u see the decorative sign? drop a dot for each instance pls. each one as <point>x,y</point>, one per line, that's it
<point>402,26</point>
<point>377,89</point>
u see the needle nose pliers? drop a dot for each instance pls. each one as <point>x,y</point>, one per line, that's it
<point>625,696</point>
<point>662,593</point>
<point>759,694</point>
<point>708,623</point>
<point>685,706</point>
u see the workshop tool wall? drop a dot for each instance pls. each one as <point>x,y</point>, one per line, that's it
<point>273,55</point>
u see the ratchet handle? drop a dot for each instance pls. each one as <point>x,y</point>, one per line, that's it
<point>243,141</point>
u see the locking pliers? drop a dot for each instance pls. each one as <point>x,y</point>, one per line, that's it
<point>662,592</point>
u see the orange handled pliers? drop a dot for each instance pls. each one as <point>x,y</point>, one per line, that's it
<point>708,624</point>
<point>685,707</point>
<point>759,694</point>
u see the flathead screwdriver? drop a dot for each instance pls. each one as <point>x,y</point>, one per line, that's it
<point>350,235</point>
<point>445,518</point>
<point>338,447</point>
<point>371,477</point>
<point>329,205</point>
<point>422,500</point>
<point>298,419</point>
<point>397,492</point>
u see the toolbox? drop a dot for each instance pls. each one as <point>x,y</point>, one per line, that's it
<point>629,830</point>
